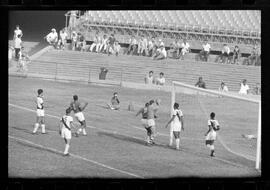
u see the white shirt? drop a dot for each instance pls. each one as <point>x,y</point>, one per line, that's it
<point>39,102</point>
<point>117,48</point>
<point>17,32</point>
<point>206,47</point>
<point>149,80</point>
<point>161,44</point>
<point>63,35</point>
<point>164,52</point>
<point>243,89</point>
<point>225,89</point>
<point>52,36</point>
<point>176,119</point>
<point>17,43</point>
<point>67,119</point>
<point>226,49</point>
<point>214,121</point>
<point>161,80</point>
<point>185,46</point>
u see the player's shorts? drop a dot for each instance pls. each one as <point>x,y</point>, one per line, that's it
<point>184,51</point>
<point>79,116</point>
<point>66,133</point>
<point>176,127</point>
<point>144,122</point>
<point>212,135</point>
<point>40,112</point>
<point>176,134</point>
<point>151,122</point>
<point>209,142</point>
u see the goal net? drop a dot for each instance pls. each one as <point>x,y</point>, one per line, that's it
<point>239,118</point>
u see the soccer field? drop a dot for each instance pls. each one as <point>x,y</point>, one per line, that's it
<point>115,145</point>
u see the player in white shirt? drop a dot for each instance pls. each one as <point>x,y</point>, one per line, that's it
<point>223,87</point>
<point>62,39</point>
<point>161,79</point>
<point>17,31</point>
<point>65,125</point>
<point>211,134</point>
<point>40,113</point>
<point>52,38</point>
<point>185,49</point>
<point>177,126</point>
<point>244,88</point>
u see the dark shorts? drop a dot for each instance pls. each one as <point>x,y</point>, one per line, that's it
<point>209,142</point>
<point>149,130</point>
<point>176,134</point>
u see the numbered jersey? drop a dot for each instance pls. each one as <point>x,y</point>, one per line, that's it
<point>66,120</point>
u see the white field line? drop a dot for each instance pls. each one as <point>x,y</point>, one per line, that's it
<point>75,156</point>
<point>115,132</point>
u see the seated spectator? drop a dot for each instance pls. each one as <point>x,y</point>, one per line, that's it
<point>223,87</point>
<point>185,49</point>
<point>81,43</point>
<point>204,53</point>
<point>200,83</point>
<point>115,103</point>
<point>73,40</point>
<point>62,40</point>
<point>173,51</point>
<point>236,55</point>
<point>244,88</point>
<point>161,79</point>
<point>149,79</point>
<point>52,38</point>
<point>160,53</point>
<point>257,89</point>
<point>116,48</point>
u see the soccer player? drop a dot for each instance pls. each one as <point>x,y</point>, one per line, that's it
<point>177,125</point>
<point>115,103</point>
<point>151,122</point>
<point>143,111</point>
<point>40,113</point>
<point>211,134</point>
<point>65,125</point>
<point>75,105</point>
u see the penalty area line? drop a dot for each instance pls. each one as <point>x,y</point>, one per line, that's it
<point>75,156</point>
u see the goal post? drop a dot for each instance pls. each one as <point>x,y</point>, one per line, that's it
<point>225,104</point>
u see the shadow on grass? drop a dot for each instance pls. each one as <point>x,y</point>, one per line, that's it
<point>28,131</point>
<point>39,148</point>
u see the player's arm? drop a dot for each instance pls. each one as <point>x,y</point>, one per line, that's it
<point>60,126</point>
<point>140,111</point>
<point>208,129</point>
<point>182,122</point>
<point>84,106</point>
<point>170,121</point>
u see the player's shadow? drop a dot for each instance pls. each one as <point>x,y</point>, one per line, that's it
<point>21,129</point>
<point>39,148</point>
<point>103,106</point>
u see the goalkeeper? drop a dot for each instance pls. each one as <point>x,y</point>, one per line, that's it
<point>211,134</point>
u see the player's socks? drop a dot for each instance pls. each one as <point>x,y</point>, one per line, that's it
<point>177,143</point>
<point>66,149</point>
<point>84,131</point>
<point>79,131</point>
<point>36,127</point>
<point>43,128</point>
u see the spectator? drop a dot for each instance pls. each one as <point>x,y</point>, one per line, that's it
<point>99,42</point>
<point>149,79</point>
<point>225,54</point>
<point>200,83</point>
<point>236,55</point>
<point>62,39</point>
<point>161,79</point>
<point>223,87</point>
<point>103,45</point>
<point>131,43</point>
<point>73,19</point>
<point>95,42</point>
<point>151,47</point>
<point>52,38</point>
<point>17,31</point>
<point>17,46</point>
<point>244,88</point>
<point>73,40</point>
<point>81,43</point>
<point>185,49</point>
<point>173,51</point>
<point>257,89</point>
<point>115,103</point>
<point>110,47</point>
<point>117,48</point>
<point>140,45</point>
<point>204,54</point>
<point>252,59</point>
<point>160,53</point>
<point>144,47</point>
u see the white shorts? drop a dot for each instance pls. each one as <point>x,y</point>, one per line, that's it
<point>176,127</point>
<point>212,135</point>
<point>40,112</point>
<point>79,116</point>
<point>144,122</point>
<point>151,122</point>
<point>65,133</point>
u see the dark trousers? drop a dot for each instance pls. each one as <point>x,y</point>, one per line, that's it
<point>17,51</point>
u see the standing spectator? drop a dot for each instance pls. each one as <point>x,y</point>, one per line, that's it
<point>17,46</point>
<point>62,39</point>
<point>172,52</point>
<point>95,42</point>
<point>161,79</point>
<point>223,58</point>
<point>200,83</point>
<point>252,59</point>
<point>149,79</point>
<point>110,47</point>
<point>223,87</point>
<point>130,46</point>
<point>160,53</point>
<point>185,49</point>
<point>150,47</point>
<point>115,103</point>
<point>52,38</point>
<point>17,31</point>
<point>204,54</point>
<point>144,47</point>
<point>244,88</point>
<point>140,44</point>
<point>103,45</point>
<point>236,55</point>
<point>73,40</point>
<point>117,48</point>
<point>257,89</point>
<point>99,42</point>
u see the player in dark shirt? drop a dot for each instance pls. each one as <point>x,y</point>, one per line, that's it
<point>200,83</point>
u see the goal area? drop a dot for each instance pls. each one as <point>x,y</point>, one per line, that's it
<point>239,117</point>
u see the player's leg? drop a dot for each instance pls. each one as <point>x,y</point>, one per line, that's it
<point>36,126</point>
<point>42,122</point>
<point>66,134</point>
<point>67,141</point>
<point>177,139</point>
<point>171,136</point>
